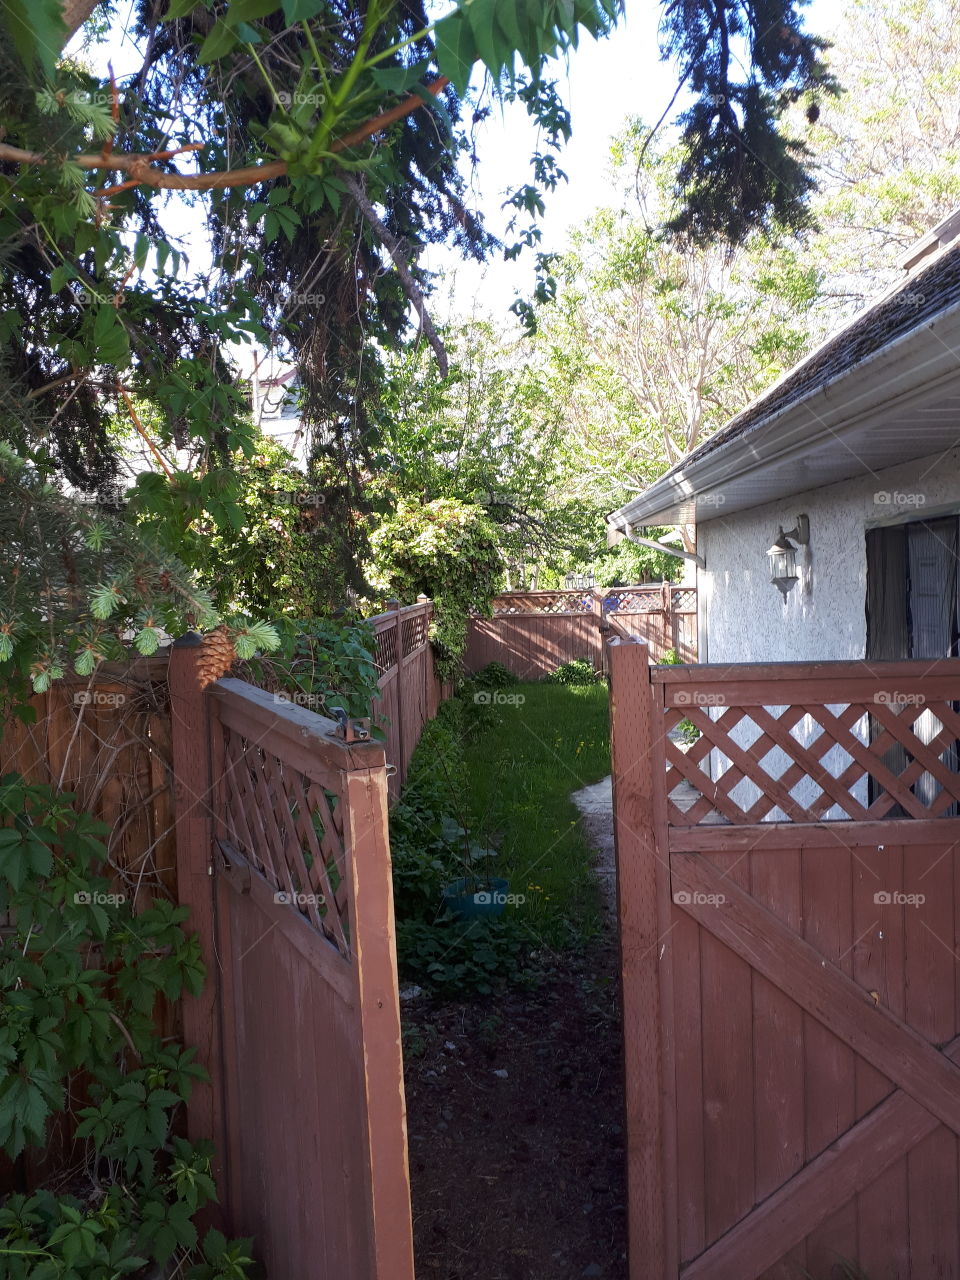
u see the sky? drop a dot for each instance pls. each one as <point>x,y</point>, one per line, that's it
<point>602,83</point>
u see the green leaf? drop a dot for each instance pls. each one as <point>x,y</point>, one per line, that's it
<point>180,9</point>
<point>37,30</point>
<point>456,49</point>
<point>60,275</point>
<point>249,10</point>
<point>399,79</point>
<point>302,10</point>
<point>221,41</point>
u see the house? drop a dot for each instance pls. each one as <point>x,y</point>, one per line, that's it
<point>827,512</point>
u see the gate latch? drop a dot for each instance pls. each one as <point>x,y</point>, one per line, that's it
<point>351,728</point>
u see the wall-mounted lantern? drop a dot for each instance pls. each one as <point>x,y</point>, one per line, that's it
<point>580,581</point>
<point>783,555</point>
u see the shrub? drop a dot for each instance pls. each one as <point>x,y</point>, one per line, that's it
<point>578,671</point>
<point>448,551</point>
<point>494,676</point>
<point>432,844</point>
<point>79,1037</point>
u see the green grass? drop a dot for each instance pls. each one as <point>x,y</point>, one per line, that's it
<point>522,762</point>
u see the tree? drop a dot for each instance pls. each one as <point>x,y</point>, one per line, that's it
<point>665,339</point>
<point>887,151</point>
<point>491,432</point>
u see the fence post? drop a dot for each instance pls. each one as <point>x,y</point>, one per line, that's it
<point>194,812</point>
<point>394,606</point>
<point>642,880</point>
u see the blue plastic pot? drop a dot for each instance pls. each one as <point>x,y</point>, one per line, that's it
<point>467,900</point>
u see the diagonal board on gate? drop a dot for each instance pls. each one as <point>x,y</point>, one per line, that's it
<point>928,1079</point>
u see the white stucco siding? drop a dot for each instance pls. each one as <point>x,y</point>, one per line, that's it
<point>743,617</point>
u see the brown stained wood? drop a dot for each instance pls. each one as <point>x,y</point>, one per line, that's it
<point>651,1207</point>
<point>778,1047</point>
<point>834,1177</point>
<point>728,1080</point>
<point>194,828</point>
<point>532,633</point>
<point>305,734</point>
<point>808,835</point>
<point>244,879</point>
<point>829,1063</point>
<point>938,677</point>
<point>374,943</point>
<point>929,1184</point>
<point>821,989</point>
<point>688,1055</point>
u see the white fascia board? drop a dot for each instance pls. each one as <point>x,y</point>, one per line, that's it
<point>913,366</point>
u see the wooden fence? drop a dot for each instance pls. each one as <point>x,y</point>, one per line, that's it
<point>789,893</point>
<point>271,826</point>
<point>409,690</point>
<point>284,860</point>
<point>533,632</point>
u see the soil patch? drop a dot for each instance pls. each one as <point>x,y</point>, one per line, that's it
<point>515,1114</point>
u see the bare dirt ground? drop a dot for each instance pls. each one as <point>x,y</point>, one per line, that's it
<point>515,1120</point>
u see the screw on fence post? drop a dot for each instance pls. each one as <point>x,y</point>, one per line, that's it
<point>193,806</point>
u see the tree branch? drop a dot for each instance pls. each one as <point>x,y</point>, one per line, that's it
<point>142,172</point>
<point>410,286</point>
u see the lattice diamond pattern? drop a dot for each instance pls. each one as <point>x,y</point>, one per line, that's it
<point>291,829</point>
<point>804,761</point>
<point>414,633</point>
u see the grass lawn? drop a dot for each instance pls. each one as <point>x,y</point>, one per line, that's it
<point>523,761</point>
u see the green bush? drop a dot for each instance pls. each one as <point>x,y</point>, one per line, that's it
<point>493,676</point>
<point>578,671</point>
<point>433,842</point>
<point>448,551</point>
<point>79,1037</point>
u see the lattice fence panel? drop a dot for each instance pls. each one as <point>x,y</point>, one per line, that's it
<point>414,633</point>
<point>385,649</point>
<point>290,828</point>
<point>684,600</point>
<point>545,602</point>
<point>640,601</point>
<point>857,761</point>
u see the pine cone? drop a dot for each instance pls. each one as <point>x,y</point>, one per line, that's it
<point>217,656</point>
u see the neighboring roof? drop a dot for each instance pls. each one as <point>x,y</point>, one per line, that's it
<point>912,307</point>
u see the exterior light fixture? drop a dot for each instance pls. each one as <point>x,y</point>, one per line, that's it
<point>783,555</point>
<point>589,579</point>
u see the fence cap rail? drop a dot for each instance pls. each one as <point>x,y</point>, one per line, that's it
<point>857,668</point>
<point>301,725</point>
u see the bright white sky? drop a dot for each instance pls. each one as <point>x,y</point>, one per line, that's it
<point>604,82</point>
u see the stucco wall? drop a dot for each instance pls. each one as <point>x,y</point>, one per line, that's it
<point>744,618</point>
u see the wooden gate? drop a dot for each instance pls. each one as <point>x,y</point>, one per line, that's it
<point>284,861</point>
<point>790,912</point>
